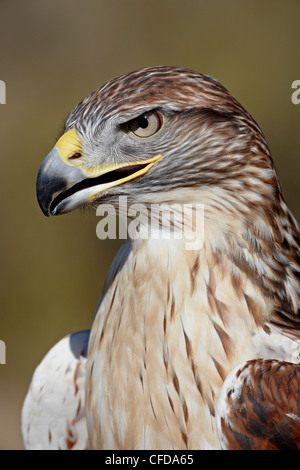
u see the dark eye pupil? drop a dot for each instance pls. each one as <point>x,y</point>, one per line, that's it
<point>143,122</point>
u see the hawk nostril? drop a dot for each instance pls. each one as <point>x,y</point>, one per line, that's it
<point>75,155</point>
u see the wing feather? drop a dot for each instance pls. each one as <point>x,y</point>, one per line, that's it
<point>53,414</point>
<point>259,407</point>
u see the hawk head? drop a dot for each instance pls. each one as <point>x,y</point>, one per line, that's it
<point>150,133</point>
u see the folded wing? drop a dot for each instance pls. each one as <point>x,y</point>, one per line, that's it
<point>53,415</point>
<point>259,407</point>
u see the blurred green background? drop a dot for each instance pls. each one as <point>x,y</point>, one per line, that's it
<point>53,53</point>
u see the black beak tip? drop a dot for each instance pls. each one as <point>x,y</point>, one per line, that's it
<point>42,198</point>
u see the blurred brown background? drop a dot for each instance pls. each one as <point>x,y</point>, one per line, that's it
<point>55,52</point>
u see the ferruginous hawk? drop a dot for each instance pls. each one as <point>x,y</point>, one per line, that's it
<point>190,348</point>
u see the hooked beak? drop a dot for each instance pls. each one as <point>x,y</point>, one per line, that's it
<point>64,183</point>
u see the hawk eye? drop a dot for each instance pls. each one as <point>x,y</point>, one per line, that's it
<point>146,125</point>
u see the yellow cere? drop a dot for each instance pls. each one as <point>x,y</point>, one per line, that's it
<point>68,144</point>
